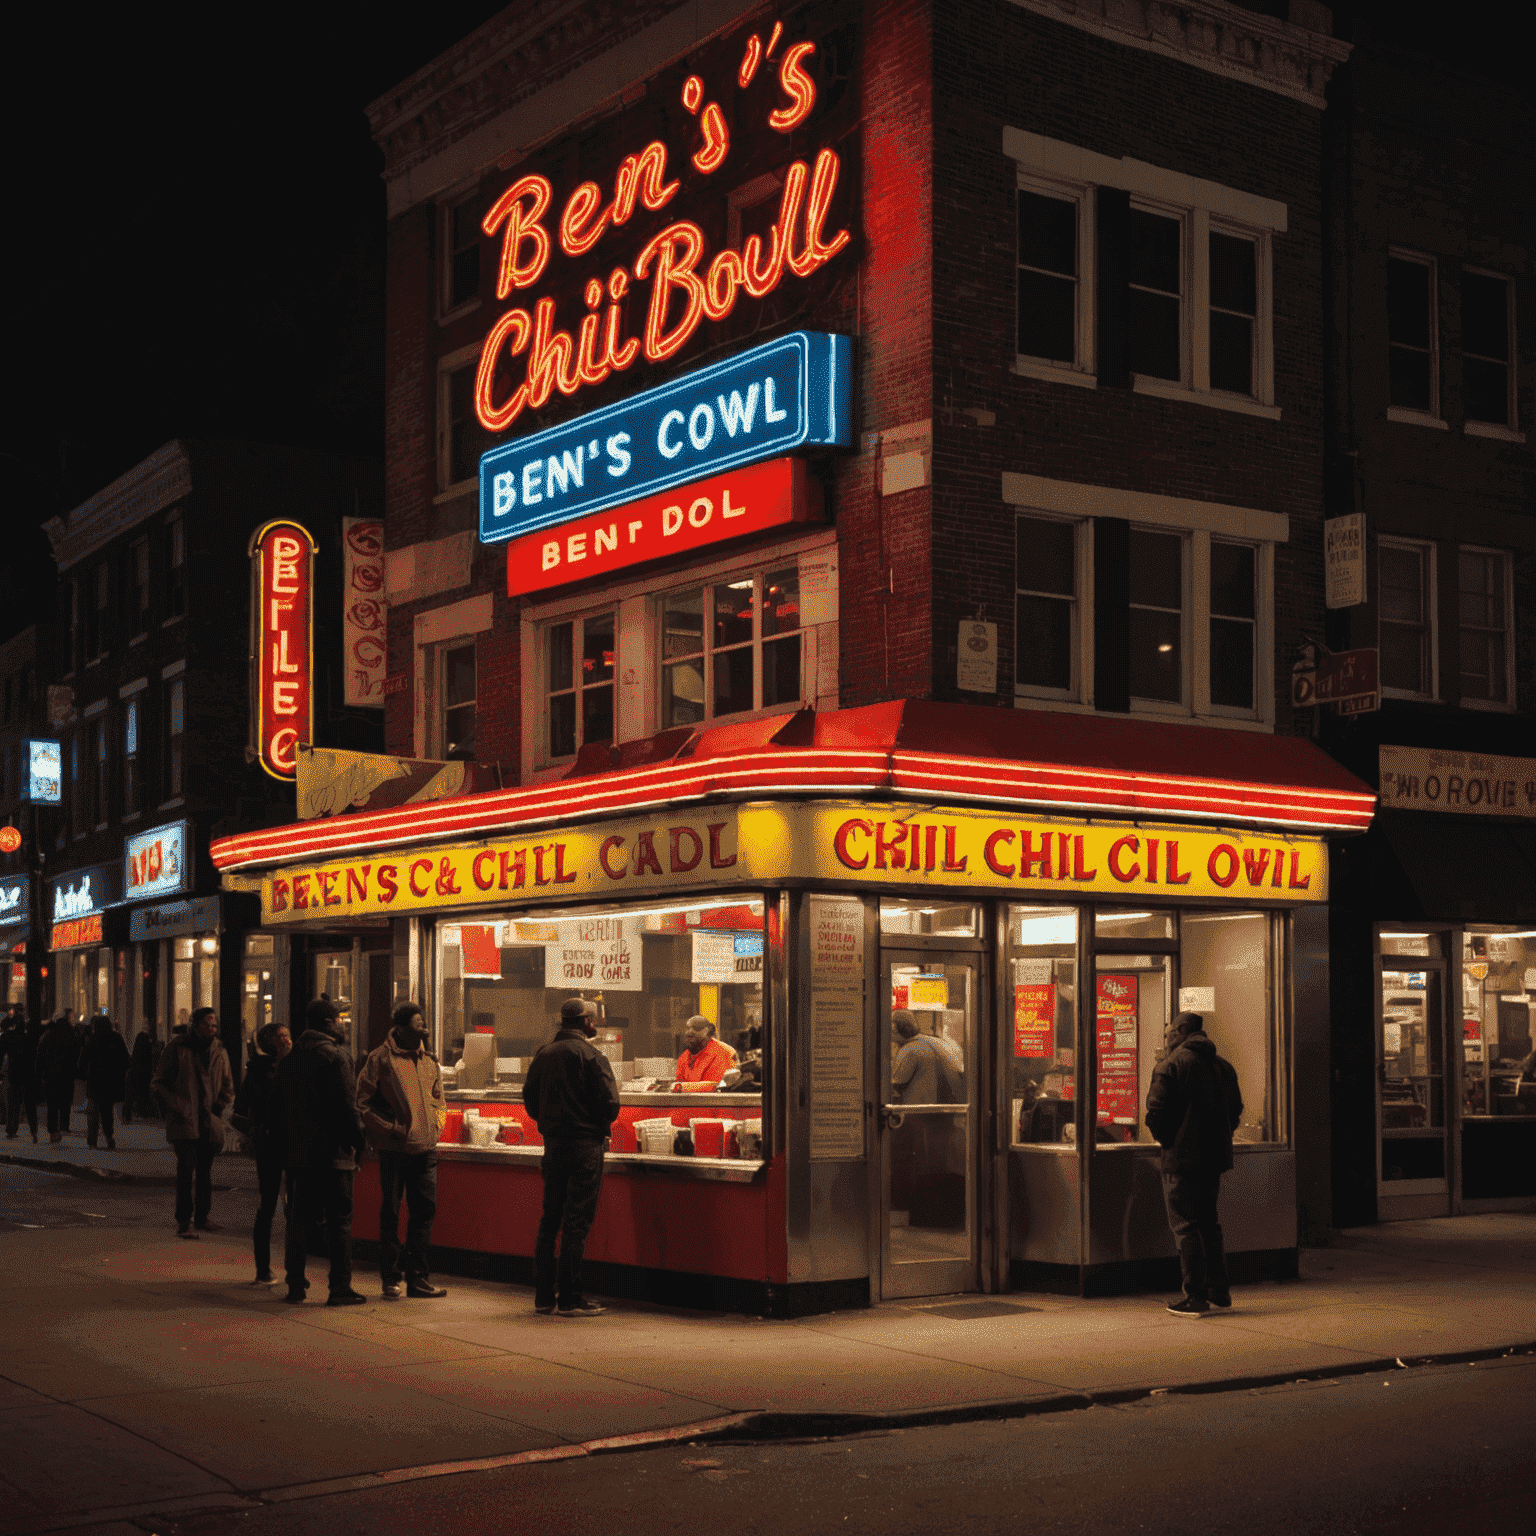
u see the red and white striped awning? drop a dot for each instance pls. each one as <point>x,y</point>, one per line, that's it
<point>1076,765</point>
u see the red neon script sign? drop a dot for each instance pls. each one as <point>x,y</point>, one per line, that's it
<point>282,643</point>
<point>675,261</point>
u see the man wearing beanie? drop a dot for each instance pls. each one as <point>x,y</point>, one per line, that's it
<point>1193,1107</point>
<point>571,1094</point>
<point>400,1096</point>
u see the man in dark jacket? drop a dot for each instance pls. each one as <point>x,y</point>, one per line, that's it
<point>195,1086</point>
<point>18,1062</point>
<point>256,1117</point>
<point>1193,1107</point>
<point>104,1066</point>
<point>317,1086</point>
<point>57,1054</point>
<point>571,1093</point>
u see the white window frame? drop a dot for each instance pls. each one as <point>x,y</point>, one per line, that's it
<point>1507,704</point>
<point>1146,383</point>
<point>1509,431</point>
<point>448,365</point>
<point>577,620</point>
<point>1082,609</point>
<point>1408,415</point>
<point>1263,623</point>
<point>1263,362</point>
<point>435,632</point>
<point>1432,613</point>
<point>446,308</point>
<point>1083,369</point>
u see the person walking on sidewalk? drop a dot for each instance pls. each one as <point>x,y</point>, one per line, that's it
<point>571,1093</point>
<point>400,1095</point>
<point>18,1064</point>
<point>141,1073</point>
<point>256,1116</point>
<point>104,1066</point>
<point>58,1053</point>
<point>1193,1107</point>
<point>317,1085</point>
<point>194,1086</point>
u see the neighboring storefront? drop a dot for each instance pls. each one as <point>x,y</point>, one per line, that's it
<point>88,927</point>
<point>15,927</point>
<point>1042,950</point>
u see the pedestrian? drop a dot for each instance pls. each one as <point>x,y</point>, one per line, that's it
<point>141,1072</point>
<point>195,1086</point>
<point>1193,1107</point>
<point>317,1086</point>
<point>104,1066</point>
<point>571,1093</point>
<point>58,1053</point>
<point>400,1097</point>
<point>257,1116</point>
<point>19,1064</point>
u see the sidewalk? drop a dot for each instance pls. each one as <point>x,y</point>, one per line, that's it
<point>142,1154</point>
<point>143,1375</point>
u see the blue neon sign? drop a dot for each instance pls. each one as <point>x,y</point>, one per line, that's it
<point>785,394</point>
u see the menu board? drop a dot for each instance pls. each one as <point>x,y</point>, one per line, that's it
<point>1117,1049</point>
<point>594,953</point>
<point>837,1028</point>
<point>1034,1020</point>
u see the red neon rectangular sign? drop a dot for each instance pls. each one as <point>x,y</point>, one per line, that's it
<point>690,517</point>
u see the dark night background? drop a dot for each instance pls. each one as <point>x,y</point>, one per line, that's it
<point>196,232</point>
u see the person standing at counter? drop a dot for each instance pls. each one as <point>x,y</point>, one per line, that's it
<point>704,1060</point>
<point>571,1093</point>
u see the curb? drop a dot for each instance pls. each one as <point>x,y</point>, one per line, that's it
<point>99,1175</point>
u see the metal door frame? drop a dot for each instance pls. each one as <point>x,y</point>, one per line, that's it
<point>1428,1197</point>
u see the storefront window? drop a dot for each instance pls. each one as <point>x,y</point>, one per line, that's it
<point>331,978</point>
<point>648,970</point>
<point>928,920</point>
<point>1498,1026</point>
<point>1041,996</point>
<point>1425,945</point>
<point>1125,923</point>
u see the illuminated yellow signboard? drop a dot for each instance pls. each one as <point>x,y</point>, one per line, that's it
<point>886,845</point>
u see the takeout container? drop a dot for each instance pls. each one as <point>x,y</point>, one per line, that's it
<point>655,1136</point>
<point>708,1136</point>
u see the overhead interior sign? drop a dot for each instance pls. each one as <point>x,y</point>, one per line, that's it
<point>156,862</point>
<point>282,643</point>
<point>769,400</point>
<point>706,512</point>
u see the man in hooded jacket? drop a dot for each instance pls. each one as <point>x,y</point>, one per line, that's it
<point>1193,1107</point>
<point>195,1086</point>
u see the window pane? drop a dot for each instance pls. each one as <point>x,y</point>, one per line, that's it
<point>1232,580</point>
<point>1229,952</point>
<point>597,649</point>
<point>1047,317</point>
<point>131,726</point>
<point>682,625</point>
<point>1234,285</point>
<point>1232,663</point>
<point>1409,379</point>
<point>1157,569</point>
<point>781,602</point>
<point>1048,234</point>
<point>1154,251</point>
<point>1402,658</point>
<point>560,646</point>
<point>1156,670</point>
<point>1485,316</point>
<point>1153,341</point>
<point>682,693</point>
<point>1047,556</point>
<point>1231,353</point>
<point>459,729</point>
<point>781,672</point>
<point>562,725</point>
<point>459,675</point>
<point>1043,642</point>
<point>466,274</point>
<point>178,698</point>
<point>733,681</point>
<point>1401,576</point>
<point>597,713</point>
<point>467,439</point>
<point>733,613</point>
<point>1482,589</point>
<point>1485,390</point>
<point>1484,672</point>
<point>1408,303</point>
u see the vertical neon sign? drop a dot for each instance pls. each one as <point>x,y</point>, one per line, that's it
<point>282,643</point>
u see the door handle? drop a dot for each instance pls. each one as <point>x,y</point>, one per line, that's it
<point>892,1119</point>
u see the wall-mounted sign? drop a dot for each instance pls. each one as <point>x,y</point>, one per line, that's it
<point>976,657</point>
<point>45,772</point>
<point>157,861</point>
<point>82,892</point>
<point>1344,560</point>
<point>15,899</point>
<point>174,917</point>
<point>775,83</point>
<point>282,644</point>
<point>706,512</point>
<point>1463,783</point>
<point>364,613</point>
<point>76,932</point>
<point>1350,680</point>
<point>766,401</point>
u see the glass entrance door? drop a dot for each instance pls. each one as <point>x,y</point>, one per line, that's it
<point>1411,1058</point>
<point>928,1122</point>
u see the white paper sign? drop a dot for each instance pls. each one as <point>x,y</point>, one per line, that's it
<point>1031,973</point>
<point>818,588</point>
<point>976,657</point>
<point>714,958</point>
<point>1344,560</point>
<point>601,953</point>
<point>1197,999</point>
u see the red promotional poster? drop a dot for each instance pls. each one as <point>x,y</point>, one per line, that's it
<point>1117,1050</point>
<point>282,643</point>
<point>1034,1020</point>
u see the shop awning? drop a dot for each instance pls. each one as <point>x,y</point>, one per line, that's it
<point>1452,869</point>
<point>1077,765</point>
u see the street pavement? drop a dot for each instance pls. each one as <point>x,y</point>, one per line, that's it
<point>142,1375</point>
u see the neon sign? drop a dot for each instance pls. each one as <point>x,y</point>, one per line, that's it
<point>282,643</point>
<point>675,261</point>
<point>156,862</point>
<point>757,405</point>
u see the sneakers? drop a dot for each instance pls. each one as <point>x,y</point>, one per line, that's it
<point>393,1290</point>
<point>185,1231</point>
<point>424,1289</point>
<point>1224,1300</point>
<point>583,1309</point>
<point>542,1309</point>
<point>1186,1306</point>
<point>346,1298</point>
<point>294,1298</point>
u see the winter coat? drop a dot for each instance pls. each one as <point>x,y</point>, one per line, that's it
<point>925,1072</point>
<point>257,1109</point>
<point>1193,1107</point>
<point>400,1096</point>
<point>18,1056</point>
<point>142,1062</point>
<point>57,1054</point>
<point>104,1066</point>
<point>317,1090</point>
<point>570,1089</point>
<point>194,1089</point>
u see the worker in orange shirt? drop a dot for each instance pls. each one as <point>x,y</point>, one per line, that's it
<point>704,1061</point>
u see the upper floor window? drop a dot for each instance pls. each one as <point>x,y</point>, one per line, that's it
<point>1155,267</point>
<point>1046,605</point>
<point>1406,587</point>
<point>1234,308</point>
<point>461,438</point>
<point>175,566</point>
<point>75,788</point>
<point>579,660</point>
<point>1234,624</point>
<point>97,611</point>
<point>175,736</point>
<point>457,677</point>
<point>460,247</point>
<point>1487,326</point>
<point>1157,615</point>
<point>76,627</point>
<point>136,589</point>
<point>730,648</point>
<point>1413,345</point>
<point>1050,279</point>
<point>131,775</point>
<point>100,778</point>
<point>1485,603</point>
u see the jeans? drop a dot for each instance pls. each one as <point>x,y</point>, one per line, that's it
<point>316,1193</point>
<point>413,1175</point>
<point>194,1157</point>
<point>98,1118</point>
<point>59,1106</point>
<point>1191,1202</point>
<point>573,1179</point>
<point>21,1101</point>
<point>269,1181</point>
